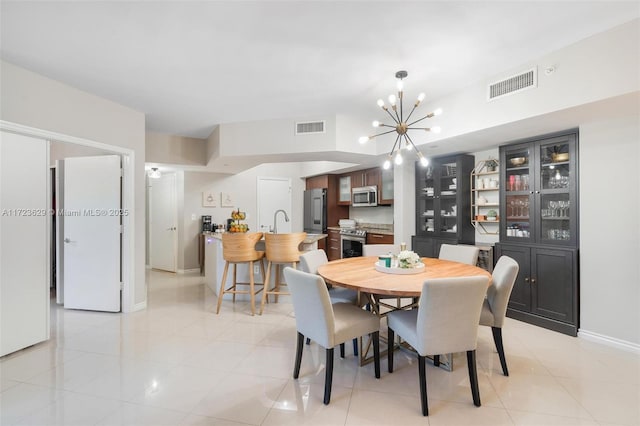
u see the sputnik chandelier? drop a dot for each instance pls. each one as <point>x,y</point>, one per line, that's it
<point>402,125</point>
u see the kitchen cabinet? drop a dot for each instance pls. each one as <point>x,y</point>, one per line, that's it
<point>443,205</point>
<point>385,190</point>
<point>375,176</point>
<point>546,289</point>
<point>333,244</point>
<point>335,211</point>
<point>539,202</point>
<point>374,238</point>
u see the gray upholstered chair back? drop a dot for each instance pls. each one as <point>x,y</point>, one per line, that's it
<point>378,249</point>
<point>312,306</point>
<point>448,315</point>
<point>459,253</point>
<point>311,260</point>
<point>504,276</point>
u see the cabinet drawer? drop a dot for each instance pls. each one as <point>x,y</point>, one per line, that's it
<point>379,238</point>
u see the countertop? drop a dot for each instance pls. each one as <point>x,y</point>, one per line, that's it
<point>373,230</point>
<point>311,238</point>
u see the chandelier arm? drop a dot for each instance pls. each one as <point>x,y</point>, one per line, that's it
<point>386,125</point>
<point>399,117</point>
<point>383,133</point>
<point>401,102</point>
<point>418,128</point>
<point>411,113</point>
<point>395,144</point>
<point>392,117</point>
<point>411,142</point>
<point>420,119</point>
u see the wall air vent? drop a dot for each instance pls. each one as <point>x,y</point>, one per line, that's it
<point>309,127</point>
<point>511,85</point>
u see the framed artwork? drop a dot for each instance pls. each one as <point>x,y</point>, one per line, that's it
<point>209,199</point>
<point>226,199</point>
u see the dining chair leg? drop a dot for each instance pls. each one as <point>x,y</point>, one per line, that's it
<point>221,292</point>
<point>376,352</point>
<point>341,350</point>
<point>390,339</point>
<point>299,347</point>
<point>355,347</point>
<point>328,378</point>
<point>436,360</point>
<point>497,338</point>
<point>422,372</point>
<point>473,377</point>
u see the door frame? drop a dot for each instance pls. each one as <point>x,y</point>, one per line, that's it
<point>128,196</point>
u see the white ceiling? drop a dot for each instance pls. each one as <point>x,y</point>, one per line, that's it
<point>192,65</point>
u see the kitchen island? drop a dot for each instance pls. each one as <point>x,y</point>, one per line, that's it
<point>214,262</point>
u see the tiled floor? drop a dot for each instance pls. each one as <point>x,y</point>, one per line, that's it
<point>177,363</point>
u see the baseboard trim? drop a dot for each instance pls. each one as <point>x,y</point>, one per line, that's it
<point>139,306</point>
<point>609,341</point>
<point>188,271</point>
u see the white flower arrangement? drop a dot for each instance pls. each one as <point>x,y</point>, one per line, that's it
<point>408,259</point>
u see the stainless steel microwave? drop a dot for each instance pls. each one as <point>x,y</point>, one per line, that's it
<point>366,196</point>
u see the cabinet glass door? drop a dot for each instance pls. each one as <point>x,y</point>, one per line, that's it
<point>448,185</point>
<point>555,183</point>
<point>426,202</point>
<point>344,190</point>
<point>518,193</point>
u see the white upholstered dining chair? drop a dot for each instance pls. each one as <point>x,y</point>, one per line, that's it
<point>459,253</point>
<point>494,308</point>
<point>439,326</point>
<point>309,262</point>
<point>327,324</point>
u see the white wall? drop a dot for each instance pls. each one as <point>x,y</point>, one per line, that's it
<point>171,149</point>
<point>610,227</point>
<point>36,101</point>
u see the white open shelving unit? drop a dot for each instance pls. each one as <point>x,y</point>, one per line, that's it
<point>481,177</point>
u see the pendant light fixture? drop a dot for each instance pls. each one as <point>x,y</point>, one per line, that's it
<point>402,125</point>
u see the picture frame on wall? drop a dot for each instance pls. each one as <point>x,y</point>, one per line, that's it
<point>226,199</point>
<point>209,199</point>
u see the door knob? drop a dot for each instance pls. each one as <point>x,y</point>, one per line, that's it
<point>68,240</point>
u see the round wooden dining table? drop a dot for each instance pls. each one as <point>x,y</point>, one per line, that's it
<point>359,273</point>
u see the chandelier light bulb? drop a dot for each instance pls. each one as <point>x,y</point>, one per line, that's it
<point>392,99</point>
<point>423,161</point>
<point>380,103</point>
<point>436,129</point>
<point>437,111</point>
<point>376,123</point>
<point>400,85</point>
<point>386,164</point>
<point>408,146</point>
<point>421,97</point>
<point>363,139</point>
<point>398,159</point>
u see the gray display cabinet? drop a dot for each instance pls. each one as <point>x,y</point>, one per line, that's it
<point>539,207</point>
<point>443,213</point>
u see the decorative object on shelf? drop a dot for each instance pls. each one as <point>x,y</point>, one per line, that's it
<point>154,173</point>
<point>492,215</point>
<point>209,199</point>
<point>491,164</point>
<point>517,161</point>
<point>402,124</point>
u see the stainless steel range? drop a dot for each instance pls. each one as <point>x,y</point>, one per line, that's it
<point>352,239</point>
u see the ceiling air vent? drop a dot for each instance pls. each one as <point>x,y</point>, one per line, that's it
<point>511,85</point>
<point>309,127</point>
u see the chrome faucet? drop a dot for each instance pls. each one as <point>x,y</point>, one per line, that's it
<point>275,227</point>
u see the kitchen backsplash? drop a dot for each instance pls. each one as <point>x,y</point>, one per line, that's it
<point>380,214</point>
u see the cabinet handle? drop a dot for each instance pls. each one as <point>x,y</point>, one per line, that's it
<point>526,279</point>
<point>530,192</point>
<point>533,280</point>
<point>537,192</point>
<point>375,236</point>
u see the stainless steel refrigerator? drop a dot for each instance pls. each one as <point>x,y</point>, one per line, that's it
<point>315,211</point>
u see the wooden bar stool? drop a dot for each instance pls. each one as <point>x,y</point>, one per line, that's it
<point>281,249</point>
<point>237,249</point>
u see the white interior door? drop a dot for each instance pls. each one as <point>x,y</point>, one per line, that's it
<point>24,242</point>
<point>164,223</point>
<point>274,194</point>
<point>92,225</point>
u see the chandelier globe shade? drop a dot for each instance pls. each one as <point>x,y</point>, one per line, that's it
<point>402,124</point>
